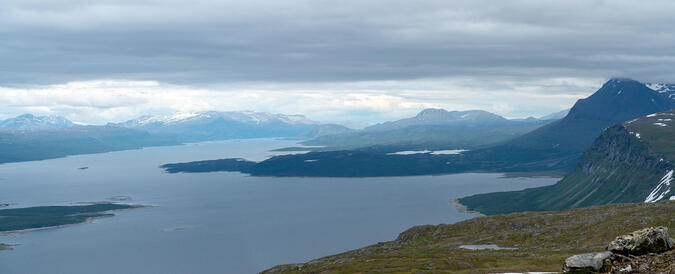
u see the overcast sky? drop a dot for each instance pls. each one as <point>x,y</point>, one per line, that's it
<point>366,61</point>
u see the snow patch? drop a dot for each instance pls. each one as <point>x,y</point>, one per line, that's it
<point>437,152</point>
<point>660,191</point>
<point>660,124</point>
<point>311,161</point>
<point>446,152</point>
<point>651,115</point>
<point>409,152</point>
<point>665,120</point>
<point>635,133</point>
<point>166,119</point>
<point>659,87</point>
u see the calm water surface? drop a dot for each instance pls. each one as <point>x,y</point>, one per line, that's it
<point>220,222</point>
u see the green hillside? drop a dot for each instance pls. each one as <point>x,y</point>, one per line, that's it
<point>540,240</point>
<point>630,162</point>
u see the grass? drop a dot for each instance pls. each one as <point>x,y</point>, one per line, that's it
<point>543,240</point>
<point>656,137</point>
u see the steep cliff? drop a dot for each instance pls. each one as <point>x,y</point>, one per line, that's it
<point>629,162</point>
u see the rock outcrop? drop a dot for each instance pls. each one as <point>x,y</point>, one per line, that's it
<point>641,242</point>
<point>588,262</point>
<point>631,253</point>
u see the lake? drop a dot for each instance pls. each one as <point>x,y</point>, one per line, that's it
<point>221,222</point>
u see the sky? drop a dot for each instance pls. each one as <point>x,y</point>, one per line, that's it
<point>354,62</point>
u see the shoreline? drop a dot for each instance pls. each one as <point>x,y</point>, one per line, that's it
<point>463,209</point>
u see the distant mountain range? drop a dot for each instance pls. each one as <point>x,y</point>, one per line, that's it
<point>434,116</point>
<point>630,162</point>
<point>324,130</point>
<point>215,125</point>
<point>495,143</point>
<point>28,137</point>
<point>31,122</point>
<point>555,146</point>
<point>433,129</point>
<point>556,116</point>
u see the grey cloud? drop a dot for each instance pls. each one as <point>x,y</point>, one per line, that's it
<point>224,42</point>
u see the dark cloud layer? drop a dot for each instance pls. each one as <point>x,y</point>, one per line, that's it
<point>221,42</point>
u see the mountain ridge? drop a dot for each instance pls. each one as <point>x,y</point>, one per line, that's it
<point>629,162</point>
<point>557,146</point>
<point>31,122</point>
<point>432,129</point>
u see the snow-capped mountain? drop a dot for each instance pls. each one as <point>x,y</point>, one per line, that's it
<point>667,90</point>
<point>216,125</point>
<point>246,117</point>
<point>32,122</point>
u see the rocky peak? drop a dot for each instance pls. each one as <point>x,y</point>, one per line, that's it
<point>620,100</point>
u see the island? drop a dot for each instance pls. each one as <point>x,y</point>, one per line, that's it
<point>234,164</point>
<point>40,217</point>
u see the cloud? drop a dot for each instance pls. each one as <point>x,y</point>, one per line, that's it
<point>332,60</point>
<point>216,42</point>
<point>102,101</point>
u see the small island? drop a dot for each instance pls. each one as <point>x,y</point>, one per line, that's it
<point>40,217</point>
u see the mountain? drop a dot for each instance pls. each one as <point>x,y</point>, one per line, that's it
<point>29,145</point>
<point>31,122</point>
<point>556,115</point>
<point>432,129</point>
<point>324,130</point>
<point>629,162</point>
<point>556,146</point>
<point>560,144</point>
<point>434,116</point>
<point>214,125</point>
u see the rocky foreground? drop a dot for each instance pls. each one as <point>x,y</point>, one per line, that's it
<point>648,250</point>
<point>537,241</point>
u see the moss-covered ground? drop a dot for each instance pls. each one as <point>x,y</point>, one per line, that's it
<point>542,241</point>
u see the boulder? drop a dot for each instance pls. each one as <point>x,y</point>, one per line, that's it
<point>644,241</point>
<point>586,263</point>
